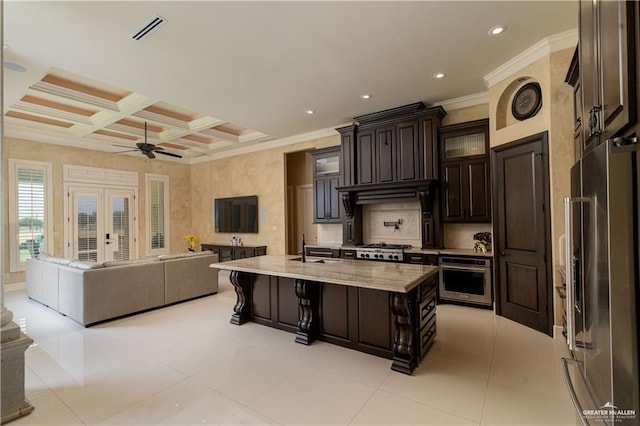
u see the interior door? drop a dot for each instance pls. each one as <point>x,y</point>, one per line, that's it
<point>522,229</point>
<point>100,224</point>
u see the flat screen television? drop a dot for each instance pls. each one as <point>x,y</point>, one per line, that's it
<point>236,214</point>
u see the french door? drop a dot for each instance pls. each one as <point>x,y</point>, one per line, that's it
<point>101,223</point>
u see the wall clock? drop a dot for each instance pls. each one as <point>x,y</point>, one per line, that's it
<point>527,101</point>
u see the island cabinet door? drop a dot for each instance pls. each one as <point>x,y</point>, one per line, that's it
<point>356,318</point>
<point>274,302</point>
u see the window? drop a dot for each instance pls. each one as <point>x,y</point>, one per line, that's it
<point>157,196</point>
<point>30,211</point>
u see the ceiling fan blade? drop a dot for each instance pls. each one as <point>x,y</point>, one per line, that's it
<point>128,150</point>
<point>149,154</point>
<point>170,154</point>
<point>123,146</point>
<point>157,148</point>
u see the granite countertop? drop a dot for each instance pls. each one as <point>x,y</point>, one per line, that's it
<point>388,276</point>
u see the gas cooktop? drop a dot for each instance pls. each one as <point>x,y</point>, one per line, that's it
<point>381,251</point>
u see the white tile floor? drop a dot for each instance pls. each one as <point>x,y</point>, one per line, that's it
<point>186,365</point>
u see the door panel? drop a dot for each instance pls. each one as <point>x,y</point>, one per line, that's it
<point>522,228</point>
<point>408,151</point>
<point>386,155</point>
<point>365,155</point>
<point>452,196</point>
<point>479,191</point>
<point>521,218</point>
<point>119,224</point>
<point>522,286</point>
<point>88,231</point>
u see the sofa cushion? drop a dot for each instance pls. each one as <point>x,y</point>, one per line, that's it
<point>181,255</point>
<point>110,263</point>
<point>59,260</point>
<point>83,264</point>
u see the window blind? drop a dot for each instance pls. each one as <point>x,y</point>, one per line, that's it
<point>31,196</point>
<point>157,213</point>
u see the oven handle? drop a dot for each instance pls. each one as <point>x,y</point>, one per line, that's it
<point>463,268</point>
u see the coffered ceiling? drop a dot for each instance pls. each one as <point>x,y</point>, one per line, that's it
<point>217,78</point>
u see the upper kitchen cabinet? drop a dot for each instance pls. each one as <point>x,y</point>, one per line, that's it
<point>573,78</point>
<point>396,145</point>
<point>327,176</point>
<point>607,68</point>
<point>465,174</point>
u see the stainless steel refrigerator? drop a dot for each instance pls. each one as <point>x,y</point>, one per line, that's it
<point>601,220</point>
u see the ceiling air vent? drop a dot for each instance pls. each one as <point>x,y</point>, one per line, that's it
<point>150,26</point>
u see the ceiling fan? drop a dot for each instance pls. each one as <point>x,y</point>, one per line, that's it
<point>148,149</point>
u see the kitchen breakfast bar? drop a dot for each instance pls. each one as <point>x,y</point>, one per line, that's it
<point>381,308</point>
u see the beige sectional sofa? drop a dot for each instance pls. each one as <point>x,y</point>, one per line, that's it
<point>92,292</point>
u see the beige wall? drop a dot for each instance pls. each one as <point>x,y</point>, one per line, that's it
<point>556,117</point>
<point>463,115</point>
<point>261,173</point>
<point>179,187</point>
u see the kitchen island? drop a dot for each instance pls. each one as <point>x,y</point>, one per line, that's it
<point>385,309</point>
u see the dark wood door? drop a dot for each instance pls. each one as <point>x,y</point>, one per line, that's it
<point>408,146</point>
<point>522,231</point>
<point>588,71</point>
<point>319,199</point>
<point>385,155</point>
<point>365,154</point>
<point>452,190</point>
<point>617,58</point>
<point>479,193</point>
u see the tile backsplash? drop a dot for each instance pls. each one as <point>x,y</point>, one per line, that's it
<point>460,235</point>
<point>330,234</point>
<point>408,232</point>
<point>455,235</point>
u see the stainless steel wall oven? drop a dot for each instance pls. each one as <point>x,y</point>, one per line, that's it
<point>466,279</point>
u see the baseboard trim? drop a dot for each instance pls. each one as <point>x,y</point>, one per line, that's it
<point>557,332</point>
<point>14,287</point>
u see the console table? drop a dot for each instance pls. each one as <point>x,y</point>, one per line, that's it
<point>227,252</point>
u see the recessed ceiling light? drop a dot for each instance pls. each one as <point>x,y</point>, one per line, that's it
<point>309,111</point>
<point>498,29</point>
<point>365,96</point>
<point>439,75</point>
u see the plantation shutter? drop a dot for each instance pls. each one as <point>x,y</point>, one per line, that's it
<point>157,214</point>
<point>31,198</point>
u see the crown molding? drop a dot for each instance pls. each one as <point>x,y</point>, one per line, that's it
<point>538,51</point>
<point>464,101</point>
<point>270,144</point>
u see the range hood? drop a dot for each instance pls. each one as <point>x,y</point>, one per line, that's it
<point>377,193</point>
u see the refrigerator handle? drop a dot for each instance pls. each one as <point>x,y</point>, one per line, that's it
<point>572,391</point>
<point>569,272</point>
<point>571,269</point>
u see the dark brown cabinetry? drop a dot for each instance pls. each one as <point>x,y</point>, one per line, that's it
<point>392,156</point>
<point>465,174</point>
<point>226,252</point>
<point>348,254</point>
<point>362,319</point>
<point>389,153</point>
<point>607,68</point>
<point>322,251</point>
<point>573,78</point>
<point>421,258</point>
<point>326,178</point>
